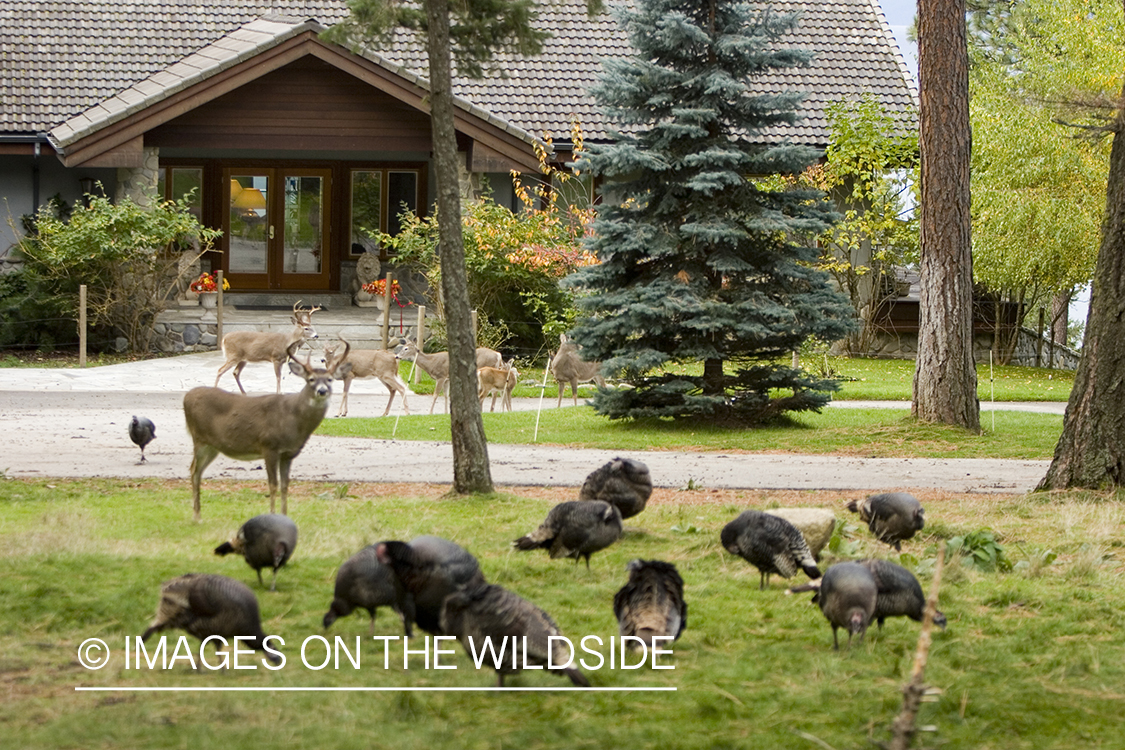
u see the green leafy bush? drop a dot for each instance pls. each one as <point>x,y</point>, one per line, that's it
<point>128,256</point>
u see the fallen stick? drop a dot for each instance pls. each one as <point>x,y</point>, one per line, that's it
<point>902,728</point>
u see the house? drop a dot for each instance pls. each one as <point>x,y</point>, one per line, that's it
<point>297,147</point>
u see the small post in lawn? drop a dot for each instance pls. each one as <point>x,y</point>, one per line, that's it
<point>82,325</point>
<point>542,392</point>
<point>219,308</point>
<point>387,310</point>
<point>992,389</point>
<point>421,337</point>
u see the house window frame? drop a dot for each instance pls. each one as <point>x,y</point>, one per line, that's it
<point>385,171</point>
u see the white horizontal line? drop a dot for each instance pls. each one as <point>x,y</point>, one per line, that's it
<point>372,689</point>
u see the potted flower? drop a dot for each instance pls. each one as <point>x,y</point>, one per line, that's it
<point>207,289</point>
<point>372,293</point>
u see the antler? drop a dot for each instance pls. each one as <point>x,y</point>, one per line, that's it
<point>299,312</point>
<point>332,364</point>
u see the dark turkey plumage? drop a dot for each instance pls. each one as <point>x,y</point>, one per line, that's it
<point>623,483</point>
<point>899,593</point>
<point>769,543</point>
<point>363,582</point>
<point>266,541</point>
<point>488,611</point>
<point>577,528</point>
<point>893,517</point>
<point>141,432</point>
<point>652,603</point>
<point>428,569</point>
<point>204,605</point>
<point>847,598</point>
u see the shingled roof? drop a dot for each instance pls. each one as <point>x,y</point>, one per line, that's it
<point>59,59</point>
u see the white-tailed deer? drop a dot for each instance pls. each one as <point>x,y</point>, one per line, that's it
<point>274,427</point>
<point>241,347</point>
<point>569,367</point>
<point>437,366</point>
<point>499,381</point>
<point>370,363</point>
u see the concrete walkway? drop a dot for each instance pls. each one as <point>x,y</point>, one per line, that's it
<point>73,423</point>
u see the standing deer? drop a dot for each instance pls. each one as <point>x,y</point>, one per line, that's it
<point>499,381</point>
<point>437,366</point>
<point>274,428</point>
<point>241,347</point>
<point>370,363</point>
<point>569,367</point>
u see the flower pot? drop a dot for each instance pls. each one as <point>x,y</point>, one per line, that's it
<point>209,299</point>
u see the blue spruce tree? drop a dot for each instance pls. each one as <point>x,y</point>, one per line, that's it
<point>699,261</point>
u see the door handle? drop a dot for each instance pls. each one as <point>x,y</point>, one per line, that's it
<point>271,231</point>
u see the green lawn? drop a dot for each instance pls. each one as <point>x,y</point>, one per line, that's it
<point>859,432</point>
<point>1032,658</point>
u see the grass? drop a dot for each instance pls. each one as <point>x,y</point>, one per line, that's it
<point>1031,658</point>
<point>860,380</point>
<point>876,433</point>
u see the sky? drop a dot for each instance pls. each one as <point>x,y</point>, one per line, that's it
<point>900,15</point>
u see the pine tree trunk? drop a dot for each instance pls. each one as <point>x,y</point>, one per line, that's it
<point>1091,451</point>
<point>471,472</point>
<point>945,378</point>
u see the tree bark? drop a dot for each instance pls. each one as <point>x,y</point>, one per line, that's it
<point>1091,451</point>
<point>945,378</point>
<point>471,472</point>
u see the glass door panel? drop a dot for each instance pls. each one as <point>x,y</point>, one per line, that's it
<point>249,224</point>
<point>304,241</point>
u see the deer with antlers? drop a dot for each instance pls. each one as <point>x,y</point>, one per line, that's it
<point>274,427</point>
<point>241,347</point>
<point>370,363</point>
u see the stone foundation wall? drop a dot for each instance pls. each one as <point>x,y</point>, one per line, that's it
<point>905,346</point>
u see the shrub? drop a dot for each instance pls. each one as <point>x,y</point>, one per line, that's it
<point>128,256</point>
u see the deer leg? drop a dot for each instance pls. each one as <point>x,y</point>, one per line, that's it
<point>237,372</point>
<point>343,410</point>
<point>402,388</point>
<point>574,391</point>
<point>562,386</point>
<point>277,372</point>
<point>286,460</point>
<point>225,366</point>
<point>202,458</point>
<point>272,460</point>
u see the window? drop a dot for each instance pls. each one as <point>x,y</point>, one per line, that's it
<point>175,182</point>
<point>378,197</point>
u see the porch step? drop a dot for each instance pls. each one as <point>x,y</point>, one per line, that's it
<point>267,300</point>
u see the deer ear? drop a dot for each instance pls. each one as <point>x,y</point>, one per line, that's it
<point>342,370</point>
<point>297,368</point>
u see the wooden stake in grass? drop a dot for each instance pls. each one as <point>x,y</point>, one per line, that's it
<point>542,391</point>
<point>902,728</point>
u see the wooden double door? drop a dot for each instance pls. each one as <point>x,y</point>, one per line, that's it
<point>276,227</point>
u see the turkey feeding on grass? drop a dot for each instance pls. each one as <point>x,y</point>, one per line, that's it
<point>363,582</point>
<point>488,611</point>
<point>428,569</point>
<point>893,517</point>
<point>266,541</point>
<point>624,483</point>
<point>846,595</point>
<point>652,603</point>
<point>769,543</point>
<point>576,528</point>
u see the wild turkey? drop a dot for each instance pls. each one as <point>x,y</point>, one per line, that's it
<point>623,483</point>
<point>769,543</point>
<point>847,595</point>
<point>488,611</point>
<point>363,582</point>
<point>576,528</point>
<point>652,603</point>
<point>428,569</point>
<point>142,431</point>
<point>266,541</point>
<point>900,594</point>
<point>893,517</point>
<point>204,605</point>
